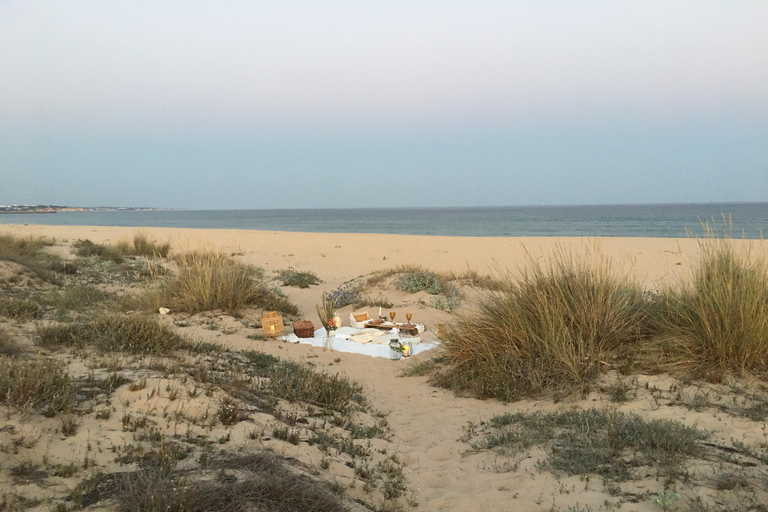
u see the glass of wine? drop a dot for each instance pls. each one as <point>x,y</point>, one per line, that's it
<point>408,317</point>
<point>392,316</point>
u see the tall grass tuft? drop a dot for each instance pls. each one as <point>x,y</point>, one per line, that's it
<point>207,281</point>
<point>717,323</point>
<point>143,246</point>
<point>555,328</point>
<point>13,247</point>
<point>37,384</point>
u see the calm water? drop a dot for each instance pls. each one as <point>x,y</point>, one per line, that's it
<point>668,220</point>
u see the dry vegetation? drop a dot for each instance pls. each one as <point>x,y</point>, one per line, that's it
<point>153,414</point>
<point>107,407</point>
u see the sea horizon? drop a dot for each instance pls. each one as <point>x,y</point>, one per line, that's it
<point>676,220</point>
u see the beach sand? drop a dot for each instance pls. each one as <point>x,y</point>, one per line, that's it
<point>431,425</point>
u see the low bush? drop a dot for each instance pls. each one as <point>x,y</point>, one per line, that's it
<point>553,329</point>
<point>265,483</point>
<point>608,443</point>
<point>37,384</point>
<point>305,279</point>
<point>19,309</point>
<point>8,346</point>
<point>78,298</point>
<point>345,295</point>
<point>419,280</point>
<point>718,322</point>
<point>86,248</point>
<point>296,383</point>
<point>143,246</point>
<point>135,334</point>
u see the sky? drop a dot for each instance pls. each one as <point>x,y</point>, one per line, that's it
<point>291,104</point>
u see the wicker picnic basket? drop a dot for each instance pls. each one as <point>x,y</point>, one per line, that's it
<point>304,329</point>
<point>272,324</point>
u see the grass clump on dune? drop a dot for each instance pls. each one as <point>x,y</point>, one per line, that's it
<point>207,281</point>
<point>717,323</point>
<point>143,246</point>
<point>36,384</point>
<point>304,279</point>
<point>134,334</point>
<point>553,329</point>
<point>86,248</point>
<point>19,309</point>
<point>14,248</point>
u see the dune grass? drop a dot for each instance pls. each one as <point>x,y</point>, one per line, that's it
<point>717,323</point>
<point>86,248</point>
<point>141,245</point>
<point>13,247</point>
<point>135,334</point>
<point>19,309</point>
<point>207,281</point>
<point>555,328</point>
<point>39,384</point>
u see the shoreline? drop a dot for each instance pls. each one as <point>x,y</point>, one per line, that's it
<point>339,257</point>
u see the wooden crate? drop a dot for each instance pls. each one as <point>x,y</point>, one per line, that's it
<point>272,324</point>
<point>304,329</point>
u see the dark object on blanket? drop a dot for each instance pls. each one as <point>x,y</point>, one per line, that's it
<point>304,329</point>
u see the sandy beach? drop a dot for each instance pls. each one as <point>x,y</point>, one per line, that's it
<point>431,427</point>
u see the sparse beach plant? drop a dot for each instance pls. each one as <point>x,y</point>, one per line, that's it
<point>8,346</point>
<point>345,295</point>
<point>86,248</point>
<point>717,323</point>
<point>555,328</point>
<point>305,279</point>
<point>134,333</point>
<point>419,280</point>
<point>36,383</point>
<point>19,309</point>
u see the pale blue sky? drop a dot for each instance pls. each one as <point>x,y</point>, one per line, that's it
<point>215,105</point>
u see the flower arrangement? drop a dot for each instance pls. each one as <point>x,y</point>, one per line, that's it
<point>325,310</point>
<point>330,325</point>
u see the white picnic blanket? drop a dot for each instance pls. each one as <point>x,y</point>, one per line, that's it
<point>341,344</point>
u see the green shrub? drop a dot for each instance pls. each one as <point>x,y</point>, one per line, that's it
<point>419,280</point>
<point>718,323</point>
<point>37,384</point>
<point>19,309</point>
<point>305,279</point>
<point>553,329</point>
<point>86,248</point>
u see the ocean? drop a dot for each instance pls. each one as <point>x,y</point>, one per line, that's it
<point>645,220</point>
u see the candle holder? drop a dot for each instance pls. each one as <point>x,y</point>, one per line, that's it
<point>407,348</point>
<point>395,349</point>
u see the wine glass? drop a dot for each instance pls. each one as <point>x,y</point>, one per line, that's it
<point>392,316</point>
<point>408,317</point>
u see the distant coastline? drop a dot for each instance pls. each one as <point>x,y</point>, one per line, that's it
<point>40,208</point>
